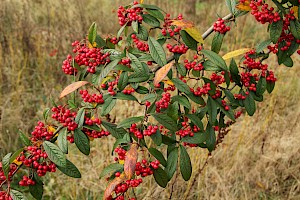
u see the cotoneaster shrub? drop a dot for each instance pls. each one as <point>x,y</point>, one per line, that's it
<point>190,95</point>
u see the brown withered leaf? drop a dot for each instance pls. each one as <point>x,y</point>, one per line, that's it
<point>244,6</point>
<point>72,87</point>
<point>130,161</point>
<point>183,23</point>
<point>112,185</point>
<point>162,73</point>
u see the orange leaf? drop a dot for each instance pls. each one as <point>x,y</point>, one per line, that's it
<point>295,9</point>
<point>162,73</point>
<point>244,6</point>
<point>112,185</point>
<point>183,23</point>
<point>72,87</point>
<point>130,161</point>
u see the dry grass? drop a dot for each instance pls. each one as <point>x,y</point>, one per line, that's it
<point>259,159</point>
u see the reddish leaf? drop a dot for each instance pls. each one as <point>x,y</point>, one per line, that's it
<point>72,87</point>
<point>245,6</point>
<point>130,161</point>
<point>183,23</point>
<point>162,73</point>
<point>112,185</point>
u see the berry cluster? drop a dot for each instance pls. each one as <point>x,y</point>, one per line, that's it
<point>147,104</point>
<point>123,187</point>
<point>115,40</point>
<point>262,12</point>
<point>187,130</point>
<point>65,117</point>
<point>239,96</point>
<point>133,129</point>
<point>125,61</point>
<point>270,77</point>
<point>224,104</point>
<point>143,168</point>
<point>180,49</point>
<point>110,86</point>
<point>220,26</point>
<point>130,14</point>
<point>70,138</point>
<point>193,65</point>
<point>96,134</point>
<point>170,88</point>
<point>217,94</point>
<point>142,46</point>
<point>246,80</point>
<point>167,26</point>
<point>199,91</point>
<point>128,91</point>
<point>26,181</point>
<point>67,66</point>
<point>40,133</point>
<point>91,98</point>
<point>251,63</point>
<point>5,196</point>
<point>164,102</point>
<point>121,153</point>
<point>217,79</point>
<point>89,57</point>
<point>151,130</point>
<point>91,121</point>
<point>12,169</point>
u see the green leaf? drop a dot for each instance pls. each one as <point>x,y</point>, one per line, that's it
<point>108,105</point>
<point>234,71</point>
<point>79,119</point>
<point>181,86</point>
<point>172,162</point>
<point>37,190</point>
<point>182,100</point>
<point>288,62</point>
<point>16,195</point>
<point>295,28</point>
<point>123,68</point>
<point>110,169</point>
<point>185,164</point>
<point>172,111</point>
<point>196,120</point>
<point>156,13</point>
<point>70,170</point>
<point>212,110</point>
<point>275,30</point>
<point>166,121</point>
<point>215,58</point>
<point>107,69</point>
<point>25,140</point>
<point>217,42</point>
<point>135,26</point>
<point>123,81</point>
<point>15,155</point>
<point>211,140</point>
<point>142,90</point>
<point>181,69</point>
<point>136,65</point>
<point>167,140</point>
<point>161,177</point>
<point>54,153</point>
<point>157,52</point>
<point>250,104</point>
<point>100,42</point>
<point>228,113</point>
<point>149,97</point>
<point>138,77</point>
<point>157,138</point>
<point>260,47</point>
<point>122,96</point>
<point>146,6</point>
<point>152,21</point>
<point>92,33</point>
<point>270,86</point>
<point>46,113</point>
<point>198,138</point>
<point>210,66</point>
<point>62,141</point>
<point>114,131</point>
<point>188,40</point>
<point>231,5</point>
<point>261,86</point>
<point>6,164</point>
<point>121,30</point>
<point>196,99</point>
<point>143,33</point>
<point>82,141</point>
<point>126,123</point>
<point>158,155</point>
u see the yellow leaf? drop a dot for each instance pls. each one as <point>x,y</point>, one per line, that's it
<point>17,162</point>
<point>195,33</point>
<point>121,162</point>
<point>295,9</point>
<point>91,138</point>
<point>130,161</point>
<point>169,82</point>
<point>235,53</point>
<point>51,129</point>
<point>72,87</point>
<point>183,23</point>
<point>162,73</point>
<point>106,79</point>
<point>92,46</point>
<point>141,1</point>
<point>244,6</point>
